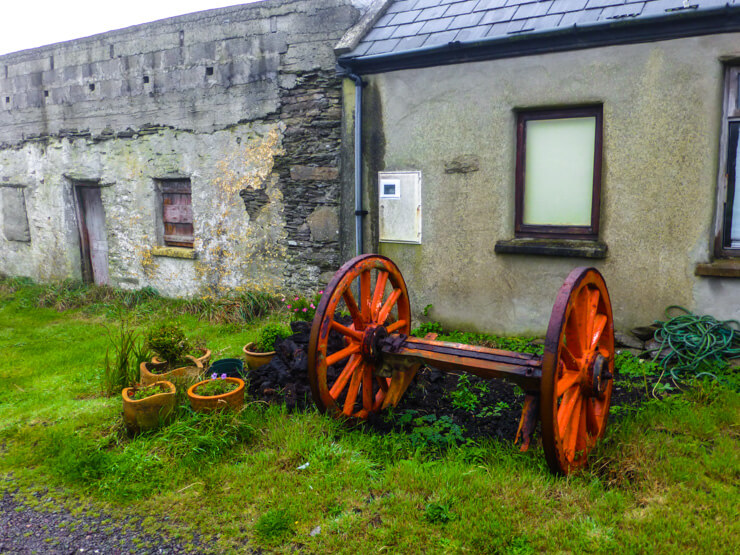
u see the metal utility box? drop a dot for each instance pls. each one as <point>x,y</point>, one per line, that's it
<point>399,202</point>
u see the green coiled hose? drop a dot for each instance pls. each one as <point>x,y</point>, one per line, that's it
<point>696,342</point>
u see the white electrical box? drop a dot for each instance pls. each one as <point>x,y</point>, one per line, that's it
<point>399,207</point>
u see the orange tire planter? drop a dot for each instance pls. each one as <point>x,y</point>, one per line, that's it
<point>233,400</point>
<point>147,414</point>
<point>147,377</point>
<point>204,359</point>
<point>255,359</point>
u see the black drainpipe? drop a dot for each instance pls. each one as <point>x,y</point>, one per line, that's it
<point>359,212</point>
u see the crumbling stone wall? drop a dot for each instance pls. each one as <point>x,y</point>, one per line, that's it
<point>184,97</point>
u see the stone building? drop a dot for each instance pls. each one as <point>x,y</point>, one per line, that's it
<point>528,138</point>
<point>193,154</point>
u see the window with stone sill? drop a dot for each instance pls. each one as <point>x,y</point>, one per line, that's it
<point>727,231</point>
<point>558,173</point>
<point>176,212</point>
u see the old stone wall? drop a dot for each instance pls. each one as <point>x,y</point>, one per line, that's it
<point>242,101</point>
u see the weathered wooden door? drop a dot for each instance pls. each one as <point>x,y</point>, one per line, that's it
<point>93,239</point>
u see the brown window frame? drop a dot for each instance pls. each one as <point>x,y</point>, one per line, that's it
<point>727,189</point>
<point>170,189</point>
<point>590,232</point>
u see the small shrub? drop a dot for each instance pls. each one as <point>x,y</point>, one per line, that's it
<point>269,334</point>
<point>274,526</point>
<point>168,342</point>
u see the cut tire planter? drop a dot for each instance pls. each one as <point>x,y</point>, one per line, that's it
<point>147,414</point>
<point>147,377</point>
<point>232,367</point>
<point>255,359</point>
<point>233,400</point>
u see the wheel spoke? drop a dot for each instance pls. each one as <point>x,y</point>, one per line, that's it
<point>582,436</point>
<point>378,295</point>
<point>354,311</point>
<point>388,306</point>
<point>569,379</point>
<point>365,295</point>
<point>382,382</point>
<point>344,330</point>
<point>568,359</point>
<point>344,353</point>
<point>599,325</point>
<point>565,411</point>
<point>571,433</point>
<point>592,308</point>
<point>367,388</point>
<point>572,336</point>
<point>397,325</point>
<point>354,387</point>
<point>344,377</point>
<point>592,421</point>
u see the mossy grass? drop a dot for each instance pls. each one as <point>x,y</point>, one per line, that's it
<point>664,478</point>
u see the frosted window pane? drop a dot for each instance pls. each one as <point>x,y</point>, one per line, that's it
<point>735,210</point>
<point>559,171</point>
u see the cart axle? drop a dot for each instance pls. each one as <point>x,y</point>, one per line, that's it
<point>568,387</point>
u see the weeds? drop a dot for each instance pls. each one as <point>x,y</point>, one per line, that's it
<point>430,431</point>
<point>463,397</point>
<point>438,513</point>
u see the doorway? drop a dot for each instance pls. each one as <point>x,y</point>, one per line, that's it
<point>93,239</point>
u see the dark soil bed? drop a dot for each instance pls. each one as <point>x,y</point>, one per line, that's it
<point>495,414</point>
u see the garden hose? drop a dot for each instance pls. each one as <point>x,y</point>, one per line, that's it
<point>696,342</point>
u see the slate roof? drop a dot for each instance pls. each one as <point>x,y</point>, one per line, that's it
<point>409,25</point>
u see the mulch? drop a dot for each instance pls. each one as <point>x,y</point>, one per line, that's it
<point>285,379</point>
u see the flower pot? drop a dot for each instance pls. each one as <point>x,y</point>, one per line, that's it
<point>204,358</point>
<point>149,413</point>
<point>148,371</point>
<point>255,359</point>
<point>231,400</point>
<point>232,367</point>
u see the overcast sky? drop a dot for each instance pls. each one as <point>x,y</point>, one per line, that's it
<point>31,23</point>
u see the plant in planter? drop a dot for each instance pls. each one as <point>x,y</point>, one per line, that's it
<point>146,407</point>
<point>261,351</point>
<point>217,393</point>
<point>171,347</point>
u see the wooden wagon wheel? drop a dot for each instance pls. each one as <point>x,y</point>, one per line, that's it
<point>577,371</point>
<point>371,289</point>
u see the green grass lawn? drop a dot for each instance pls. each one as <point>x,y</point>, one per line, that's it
<point>664,479</point>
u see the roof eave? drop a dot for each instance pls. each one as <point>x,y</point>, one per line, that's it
<point>706,22</point>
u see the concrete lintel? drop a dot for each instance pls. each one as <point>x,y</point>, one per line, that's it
<point>82,180</point>
<point>553,247</point>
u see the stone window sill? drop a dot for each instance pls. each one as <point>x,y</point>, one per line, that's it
<point>719,268</point>
<point>553,247</point>
<point>174,252</point>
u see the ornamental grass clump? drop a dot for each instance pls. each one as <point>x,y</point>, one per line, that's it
<point>216,386</point>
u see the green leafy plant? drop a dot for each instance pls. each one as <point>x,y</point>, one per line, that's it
<point>427,327</point>
<point>495,411</point>
<point>463,397</point>
<point>436,433</point>
<point>302,308</point>
<point>269,334</point>
<point>216,386</point>
<point>169,343</point>
<point>438,512</point>
<point>274,526</point>
<point>140,393</point>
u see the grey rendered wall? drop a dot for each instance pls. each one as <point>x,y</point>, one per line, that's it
<point>662,107</point>
<point>199,96</point>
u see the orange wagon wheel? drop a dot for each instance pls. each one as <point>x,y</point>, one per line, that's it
<point>372,291</point>
<point>577,371</point>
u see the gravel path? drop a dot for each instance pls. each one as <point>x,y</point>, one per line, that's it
<point>25,529</point>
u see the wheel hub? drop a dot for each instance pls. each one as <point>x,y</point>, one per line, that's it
<point>599,376</point>
<point>372,336</point>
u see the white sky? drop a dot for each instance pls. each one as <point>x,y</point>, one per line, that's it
<point>31,23</point>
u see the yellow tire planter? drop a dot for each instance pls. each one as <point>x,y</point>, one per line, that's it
<point>233,400</point>
<point>148,413</point>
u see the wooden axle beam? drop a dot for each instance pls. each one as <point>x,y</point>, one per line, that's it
<point>397,353</point>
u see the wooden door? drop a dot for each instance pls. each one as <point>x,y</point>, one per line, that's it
<point>93,239</point>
